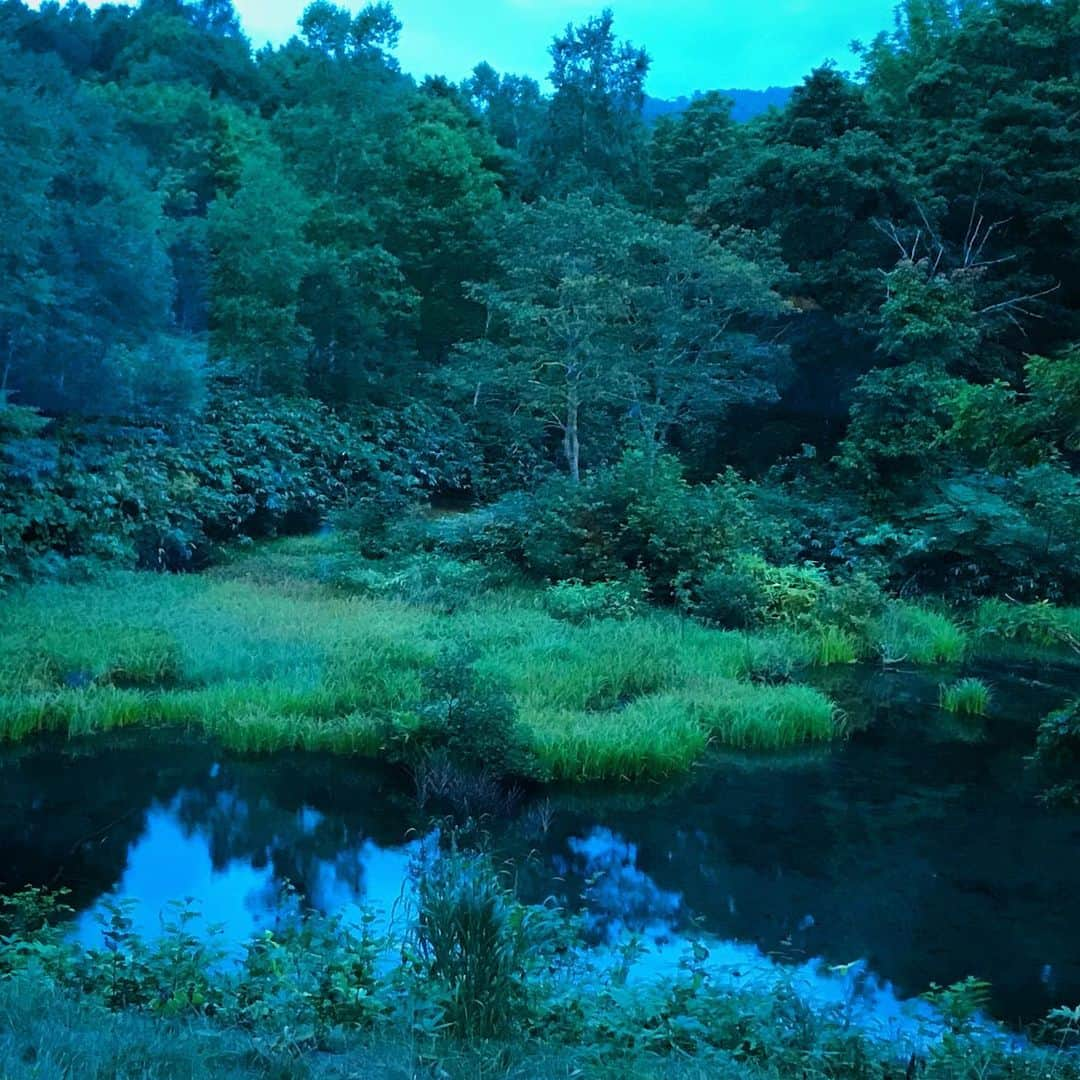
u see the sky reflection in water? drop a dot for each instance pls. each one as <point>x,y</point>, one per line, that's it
<point>916,853</point>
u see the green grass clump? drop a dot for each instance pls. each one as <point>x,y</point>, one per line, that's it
<point>652,738</point>
<point>967,697</point>
<point>271,652</point>
<point>919,635</point>
<point>767,717</point>
<point>836,646</point>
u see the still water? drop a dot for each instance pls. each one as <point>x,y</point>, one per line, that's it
<point>916,848</point>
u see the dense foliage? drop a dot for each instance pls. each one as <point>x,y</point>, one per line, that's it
<point>722,399</point>
<point>244,290</point>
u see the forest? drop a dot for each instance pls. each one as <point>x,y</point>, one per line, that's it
<point>532,441</point>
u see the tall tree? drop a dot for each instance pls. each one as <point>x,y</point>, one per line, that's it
<point>595,134</point>
<point>605,322</point>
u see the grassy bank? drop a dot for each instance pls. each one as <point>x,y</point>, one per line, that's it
<point>304,644</point>
<point>485,987</point>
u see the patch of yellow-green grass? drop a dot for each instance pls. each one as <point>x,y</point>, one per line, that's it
<point>261,655</point>
<point>652,738</point>
<point>836,646</point>
<point>766,717</point>
<point>966,697</point>
<point>659,735</point>
<point>75,712</point>
<point>919,635</point>
<point>261,732</point>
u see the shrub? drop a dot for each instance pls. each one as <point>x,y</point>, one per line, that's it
<point>967,697</point>
<point>852,605</point>
<point>469,719</point>
<point>730,596</point>
<point>750,593</point>
<point>640,514</point>
<point>1058,742</point>
<point>576,602</point>
<point>1039,624</point>
<point>165,496</point>
<point>480,949</point>
<point>488,532</point>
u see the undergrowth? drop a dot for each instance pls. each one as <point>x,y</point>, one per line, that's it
<point>479,985</point>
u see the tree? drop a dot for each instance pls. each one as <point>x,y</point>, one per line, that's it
<point>985,101</point>
<point>594,129</point>
<point>260,258</point>
<point>689,150</point>
<point>819,177</point>
<point>372,34</point>
<point>605,320</point>
<point>82,246</point>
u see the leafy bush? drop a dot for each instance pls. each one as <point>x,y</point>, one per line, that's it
<point>481,951</point>
<point>576,602</point>
<point>750,593</point>
<point>640,514</point>
<point>852,604</point>
<point>975,534</point>
<point>469,719</point>
<point>729,596</point>
<point>1033,624</point>
<point>1058,742</point>
<point>165,497</point>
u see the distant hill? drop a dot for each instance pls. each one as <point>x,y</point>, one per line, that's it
<point>748,103</point>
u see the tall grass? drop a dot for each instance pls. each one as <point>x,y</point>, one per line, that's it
<point>966,697</point>
<point>767,717</point>
<point>270,652</point>
<point>914,634</point>
<point>651,738</point>
<point>836,646</point>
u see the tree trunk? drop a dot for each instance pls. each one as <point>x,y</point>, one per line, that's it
<point>571,443</point>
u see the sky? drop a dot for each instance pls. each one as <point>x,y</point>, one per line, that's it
<point>695,44</point>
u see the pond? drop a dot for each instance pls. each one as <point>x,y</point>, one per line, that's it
<point>917,847</point>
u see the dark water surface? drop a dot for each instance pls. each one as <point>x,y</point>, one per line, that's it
<point>916,847</point>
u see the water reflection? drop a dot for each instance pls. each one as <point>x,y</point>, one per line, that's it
<point>622,899</point>
<point>236,882</point>
<point>619,897</point>
<point>916,851</point>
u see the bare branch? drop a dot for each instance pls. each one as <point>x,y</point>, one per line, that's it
<point>1015,302</point>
